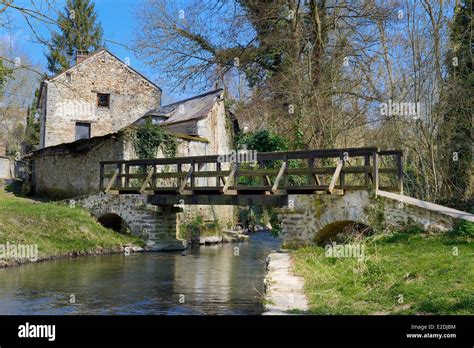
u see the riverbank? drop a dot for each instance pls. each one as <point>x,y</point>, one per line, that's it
<point>407,272</point>
<point>283,288</point>
<point>32,231</point>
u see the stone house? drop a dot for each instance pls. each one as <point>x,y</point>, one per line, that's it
<point>67,165</point>
<point>97,96</point>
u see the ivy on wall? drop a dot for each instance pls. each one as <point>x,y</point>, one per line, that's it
<point>150,137</point>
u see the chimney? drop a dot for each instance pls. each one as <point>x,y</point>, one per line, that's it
<point>81,55</point>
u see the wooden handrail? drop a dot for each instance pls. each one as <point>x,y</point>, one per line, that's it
<point>277,177</point>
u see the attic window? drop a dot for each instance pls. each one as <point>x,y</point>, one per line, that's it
<point>68,77</point>
<point>103,100</point>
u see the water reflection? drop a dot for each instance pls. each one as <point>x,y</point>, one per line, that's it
<point>222,279</point>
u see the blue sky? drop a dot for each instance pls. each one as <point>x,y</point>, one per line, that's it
<point>118,21</point>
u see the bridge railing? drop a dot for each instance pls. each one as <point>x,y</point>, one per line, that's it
<point>305,171</point>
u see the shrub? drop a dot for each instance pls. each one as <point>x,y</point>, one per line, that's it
<point>463,228</point>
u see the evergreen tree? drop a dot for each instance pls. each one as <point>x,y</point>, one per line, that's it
<point>80,31</point>
<point>32,132</point>
<point>458,126</point>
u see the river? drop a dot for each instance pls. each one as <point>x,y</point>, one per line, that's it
<point>215,280</point>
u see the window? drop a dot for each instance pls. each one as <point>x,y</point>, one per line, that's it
<point>83,130</point>
<point>68,77</point>
<point>103,100</point>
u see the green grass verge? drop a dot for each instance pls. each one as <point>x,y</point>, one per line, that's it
<point>401,273</point>
<point>56,228</point>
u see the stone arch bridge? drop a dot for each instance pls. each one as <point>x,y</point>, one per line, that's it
<point>317,193</point>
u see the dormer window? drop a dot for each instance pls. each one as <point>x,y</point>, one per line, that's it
<point>103,100</point>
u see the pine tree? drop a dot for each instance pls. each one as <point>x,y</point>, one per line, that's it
<point>460,106</point>
<point>32,131</point>
<point>79,31</point>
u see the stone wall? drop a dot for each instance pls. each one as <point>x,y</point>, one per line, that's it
<point>313,219</point>
<point>71,170</point>
<point>156,225</point>
<point>398,214</point>
<point>5,168</point>
<point>73,98</point>
<point>310,219</point>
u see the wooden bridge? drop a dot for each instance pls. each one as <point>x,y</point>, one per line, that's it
<point>267,180</point>
<point>317,192</point>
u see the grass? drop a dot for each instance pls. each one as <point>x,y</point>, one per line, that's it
<point>401,273</point>
<point>56,229</point>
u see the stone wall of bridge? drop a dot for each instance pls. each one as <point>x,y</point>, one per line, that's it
<point>314,219</point>
<point>308,219</point>
<point>157,225</point>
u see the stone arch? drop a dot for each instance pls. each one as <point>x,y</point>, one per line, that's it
<point>314,218</point>
<point>156,225</point>
<point>114,222</point>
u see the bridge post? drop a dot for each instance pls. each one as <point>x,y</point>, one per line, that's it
<point>400,171</point>
<point>192,178</point>
<point>218,178</point>
<point>376,171</point>
<point>101,176</point>
<point>118,179</point>
<point>312,180</point>
<point>127,172</point>
<point>367,163</point>
<point>342,174</point>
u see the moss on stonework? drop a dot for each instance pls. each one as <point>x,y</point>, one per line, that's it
<point>319,207</point>
<point>375,212</point>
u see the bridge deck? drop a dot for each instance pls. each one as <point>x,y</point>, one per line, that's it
<point>268,178</point>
